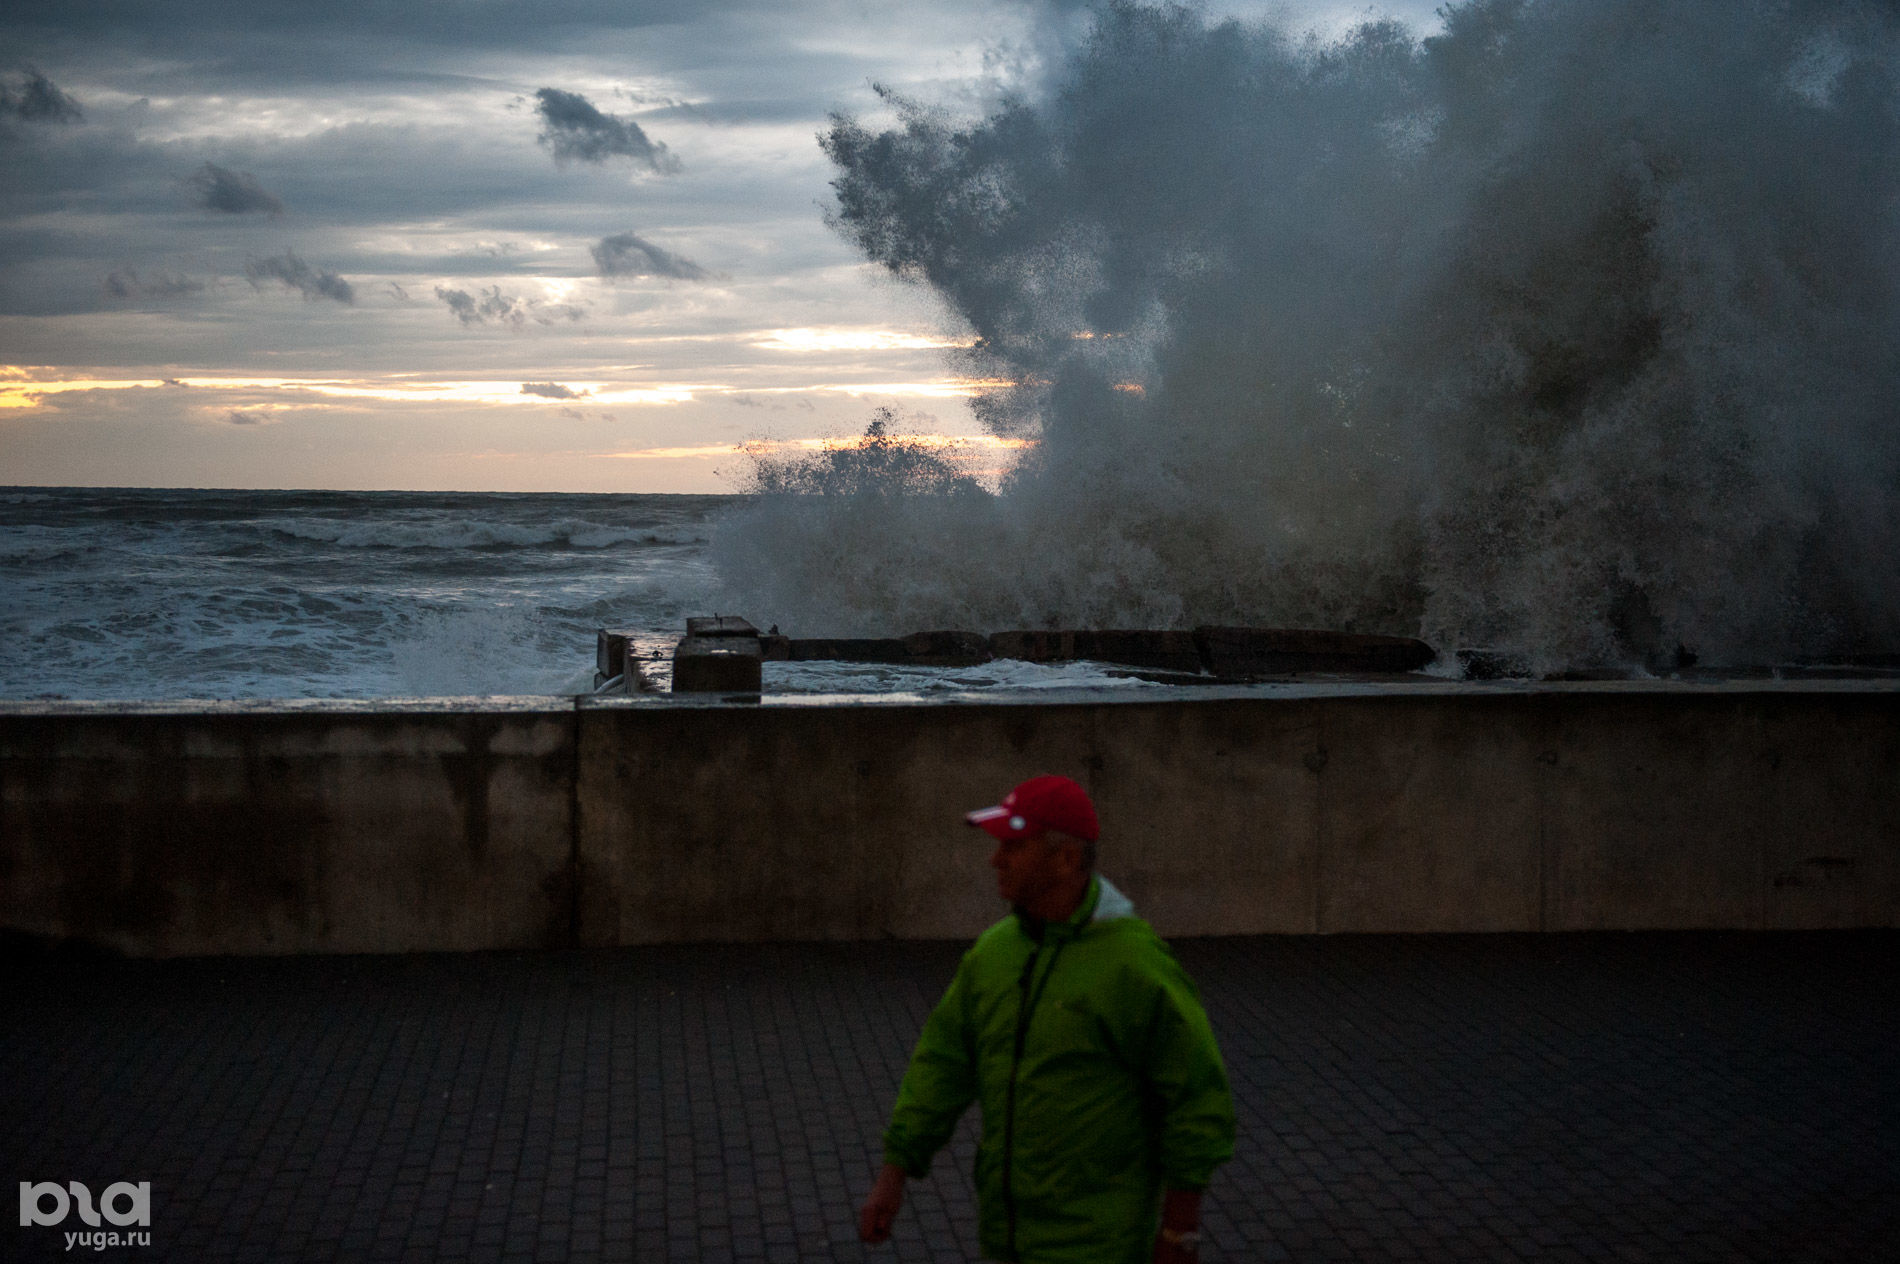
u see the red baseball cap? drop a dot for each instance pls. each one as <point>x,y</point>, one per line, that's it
<point>1037,804</point>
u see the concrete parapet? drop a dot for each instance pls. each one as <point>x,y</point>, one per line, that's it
<point>242,831</point>
<point>1293,809</point>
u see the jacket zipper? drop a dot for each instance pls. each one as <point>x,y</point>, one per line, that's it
<point>1026,1006</point>
<point>1009,1095</point>
<point>1027,1009</point>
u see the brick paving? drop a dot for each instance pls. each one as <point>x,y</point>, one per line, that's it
<point>1649,1097</point>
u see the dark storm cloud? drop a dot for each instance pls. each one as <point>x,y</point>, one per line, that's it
<point>378,127</point>
<point>484,306</point>
<point>36,100</point>
<point>238,417</point>
<point>233,192</point>
<point>298,275</point>
<point>461,23</point>
<point>577,129</point>
<point>626,254</point>
<point>552,390</point>
<point>182,45</point>
<point>127,283</point>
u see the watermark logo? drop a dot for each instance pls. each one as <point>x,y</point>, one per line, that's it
<point>123,1203</point>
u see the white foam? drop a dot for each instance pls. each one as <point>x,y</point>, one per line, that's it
<point>1007,675</point>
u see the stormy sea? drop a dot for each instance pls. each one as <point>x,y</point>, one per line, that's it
<point>257,594</point>
<point>185,594</point>
<point>1569,331</point>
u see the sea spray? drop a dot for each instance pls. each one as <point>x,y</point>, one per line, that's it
<point>1570,330</point>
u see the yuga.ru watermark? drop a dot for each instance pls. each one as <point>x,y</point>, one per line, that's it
<point>122,1204</point>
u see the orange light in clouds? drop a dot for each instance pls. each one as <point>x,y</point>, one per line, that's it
<point>1133,388</point>
<point>671,454</point>
<point>18,390</point>
<point>853,340</point>
<point>16,393</point>
<point>945,388</point>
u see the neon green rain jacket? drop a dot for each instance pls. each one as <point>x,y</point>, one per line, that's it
<point>1099,1079</point>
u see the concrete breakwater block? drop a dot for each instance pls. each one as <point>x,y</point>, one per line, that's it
<point>1234,653</point>
<point>847,649</point>
<point>947,649</point>
<point>615,660</point>
<point>1164,651</point>
<point>919,649</point>
<point>717,664</point>
<point>1216,653</point>
<point>1161,650</point>
<point>1278,651</point>
<point>1034,646</point>
<point>719,625</point>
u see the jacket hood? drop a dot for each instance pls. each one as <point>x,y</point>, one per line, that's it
<point>1112,903</point>
<point>1102,902</point>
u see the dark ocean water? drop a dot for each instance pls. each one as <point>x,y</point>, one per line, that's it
<point>166,594</point>
<point>112,593</point>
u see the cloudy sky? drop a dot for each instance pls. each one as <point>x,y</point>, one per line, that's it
<point>568,245</point>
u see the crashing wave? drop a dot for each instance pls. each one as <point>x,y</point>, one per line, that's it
<point>1569,330</point>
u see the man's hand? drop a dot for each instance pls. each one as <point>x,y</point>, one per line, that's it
<point>1167,1253</point>
<point>1180,1213</point>
<point>880,1208</point>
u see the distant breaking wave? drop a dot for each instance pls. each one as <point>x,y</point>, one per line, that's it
<point>1569,331</point>
<point>567,533</point>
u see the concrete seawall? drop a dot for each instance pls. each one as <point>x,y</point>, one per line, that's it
<point>514,823</point>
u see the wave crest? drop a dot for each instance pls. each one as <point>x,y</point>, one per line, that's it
<point>570,533</point>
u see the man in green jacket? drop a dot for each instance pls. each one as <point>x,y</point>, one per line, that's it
<point>1086,1044</point>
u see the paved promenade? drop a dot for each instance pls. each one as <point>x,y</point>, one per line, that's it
<point>1654,1097</point>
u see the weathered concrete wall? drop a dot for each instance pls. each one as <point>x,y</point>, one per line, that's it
<point>245,831</point>
<point>1300,809</point>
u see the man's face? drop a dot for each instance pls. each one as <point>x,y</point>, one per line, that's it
<point>1028,868</point>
